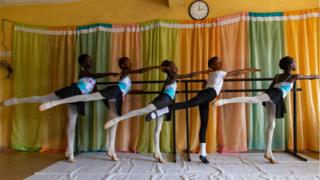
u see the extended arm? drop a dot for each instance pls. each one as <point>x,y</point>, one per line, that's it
<point>193,74</point>
<point>242,71</point>
<point>141,70</point>
<point>96,75</point>
<point>303,77</point>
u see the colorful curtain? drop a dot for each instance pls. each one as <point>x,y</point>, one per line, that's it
<point>43,62</point>
<point>240,40</point>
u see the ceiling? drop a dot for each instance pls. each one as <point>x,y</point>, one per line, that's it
<point>24,2</point>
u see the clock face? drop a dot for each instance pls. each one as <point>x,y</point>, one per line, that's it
<point>199,10</point>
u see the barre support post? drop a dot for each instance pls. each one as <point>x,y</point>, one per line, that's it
<point>174,133</point>
<point>187,122</point>
<point>295,130</point>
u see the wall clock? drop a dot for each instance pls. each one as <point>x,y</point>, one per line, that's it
<point>199,10</point>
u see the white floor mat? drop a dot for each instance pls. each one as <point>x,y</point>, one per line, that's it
<point>222,166</point>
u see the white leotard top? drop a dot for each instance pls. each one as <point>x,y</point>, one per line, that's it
<point>215,80</point>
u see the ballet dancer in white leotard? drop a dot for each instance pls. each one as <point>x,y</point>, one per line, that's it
<point>203,98</point>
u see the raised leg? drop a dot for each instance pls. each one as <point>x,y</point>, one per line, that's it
<point>256,99</point>
<point>199,99</point>
<point>90,97</point>
<point>137,112</point>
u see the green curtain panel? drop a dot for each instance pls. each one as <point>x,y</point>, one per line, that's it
<point>43,62</point>
<point>94,40</point>
<point>266,49</point>
<point>158,44</point>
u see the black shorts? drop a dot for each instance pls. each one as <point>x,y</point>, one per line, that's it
<point>69,91</point>
<point>161,101</point>
<point>276,97</point>
<point>209,93</point>
<point>112,92</point>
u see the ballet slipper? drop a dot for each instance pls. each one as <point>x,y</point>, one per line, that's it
<point>159,159</point>
<point>204,159</point>
<point>112,156</point>
<point>270,159</point>
<point>69,157</point>
<point>218,103</point>
<point>110,123</point>
<point>70,160</point>
<point>9,102</point>
<point>45,106</point>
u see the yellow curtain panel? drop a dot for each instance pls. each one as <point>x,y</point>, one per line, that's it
<point>302,39</point>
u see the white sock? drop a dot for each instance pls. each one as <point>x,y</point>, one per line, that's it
<point>203,150</point>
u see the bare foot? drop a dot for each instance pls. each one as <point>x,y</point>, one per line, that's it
<point>112,156</point>
<point>271,159</point>
<point>159,159</point>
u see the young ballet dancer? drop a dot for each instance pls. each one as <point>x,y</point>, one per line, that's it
<point>112,97</point>
<point>164,99</point>
<point>85,85</point>
<point>203,98</point>
<point>273,99</point>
